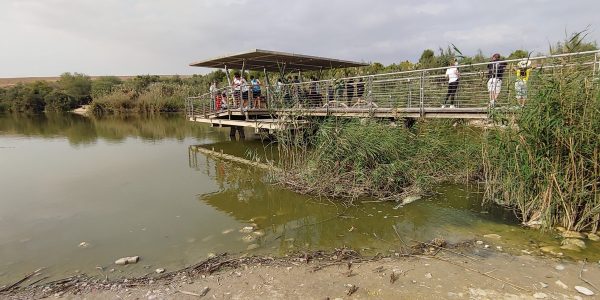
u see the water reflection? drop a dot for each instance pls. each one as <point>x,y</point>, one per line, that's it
<point>293,222</point>
<point>81,130</point>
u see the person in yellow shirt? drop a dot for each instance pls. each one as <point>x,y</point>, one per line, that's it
<point>523,71</point>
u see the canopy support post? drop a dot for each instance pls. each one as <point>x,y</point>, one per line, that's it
<point>229,91</point>
<point>268,85</point>
<point>242,77</point>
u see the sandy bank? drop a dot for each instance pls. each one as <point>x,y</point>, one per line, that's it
<point>476,273</point>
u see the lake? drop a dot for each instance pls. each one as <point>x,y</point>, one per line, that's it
<point>78,193</point>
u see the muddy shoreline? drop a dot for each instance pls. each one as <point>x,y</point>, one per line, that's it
<point>460,271</point>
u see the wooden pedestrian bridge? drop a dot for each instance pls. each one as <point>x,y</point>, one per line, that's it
<point>421,93</point>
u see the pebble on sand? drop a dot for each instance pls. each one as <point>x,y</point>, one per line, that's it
<point>561,284</point>
<point>559,267</point>
<point>127,260</point>
<point>159,271</point>
<point>584,290</point>
<point>492,236</point>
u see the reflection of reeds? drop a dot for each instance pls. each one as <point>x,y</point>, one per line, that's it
<point>548,169</point>
<point>351,158</point>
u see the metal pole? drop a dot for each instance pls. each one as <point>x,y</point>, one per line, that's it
<point>228,92</point>
<point>370,91</point>
<point>242,77</point>
<point>409,94</point>
<point>267,93</point>
<point>422,94</point>
<point>595,63</point>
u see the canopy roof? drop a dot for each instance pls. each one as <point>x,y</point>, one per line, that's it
<point>274,61</point>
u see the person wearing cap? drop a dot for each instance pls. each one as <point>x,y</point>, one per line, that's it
<point>495,73</point>
<point>523,70</point>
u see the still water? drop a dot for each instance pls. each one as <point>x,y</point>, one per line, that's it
<point>132,186</point>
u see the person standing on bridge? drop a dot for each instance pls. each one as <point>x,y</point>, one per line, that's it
<point>495,74</point>
<point>213,89</point>
<point>452,74</point>
<point>237,89</point>
<point>256,92</point>
<point>523,71</point>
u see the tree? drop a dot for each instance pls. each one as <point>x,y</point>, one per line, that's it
<point>427,59</point>
<point>77,86</point>
<point>57,100</point>
<point>104,85</point>
<point>519,54</point>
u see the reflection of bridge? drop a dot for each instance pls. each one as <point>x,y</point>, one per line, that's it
<point>409,94</point>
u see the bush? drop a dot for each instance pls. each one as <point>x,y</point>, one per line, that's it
<point>58,101</point>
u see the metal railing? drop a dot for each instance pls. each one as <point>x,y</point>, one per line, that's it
<point>426,88</point>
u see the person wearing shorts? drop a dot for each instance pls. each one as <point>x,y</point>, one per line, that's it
<point>256,92</point>
<point>495,74</point>
<point>523,71</point>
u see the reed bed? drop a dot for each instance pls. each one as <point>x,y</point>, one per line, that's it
<point>548,169</point>
<point>354,158</point>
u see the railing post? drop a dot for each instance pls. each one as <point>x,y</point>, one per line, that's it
<point>422,95</point>
<point>409,93</point>
<point>370,90</point>
<point>595,64</point>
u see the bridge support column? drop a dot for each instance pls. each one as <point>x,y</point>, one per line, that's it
<point>239,130</point>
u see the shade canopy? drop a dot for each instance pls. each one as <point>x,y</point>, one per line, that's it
<point>274,61</point>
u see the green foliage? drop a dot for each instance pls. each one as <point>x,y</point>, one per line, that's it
<point>26,98</point>
<point>57,100</point>
<point>519,54</point>
<point>353,159</point>
<point>157,97</point>
<point>427,59</point>
<point>77,86</point>
<point>104,85</point>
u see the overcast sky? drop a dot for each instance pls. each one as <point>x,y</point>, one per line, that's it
<point>128,37</point>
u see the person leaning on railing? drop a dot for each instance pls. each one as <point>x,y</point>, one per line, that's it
<point>452,74</point>
<point>495,73</point>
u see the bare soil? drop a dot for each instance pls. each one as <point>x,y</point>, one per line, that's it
<point>472,272</point>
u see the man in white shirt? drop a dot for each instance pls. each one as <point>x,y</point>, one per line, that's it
<point>452,74</point>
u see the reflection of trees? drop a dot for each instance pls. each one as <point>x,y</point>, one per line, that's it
<point>85,130</point>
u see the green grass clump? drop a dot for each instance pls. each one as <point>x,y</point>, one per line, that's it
<point>350,158</point>
<point>549,168</point>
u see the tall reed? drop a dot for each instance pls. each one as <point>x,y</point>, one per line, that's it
<point>548,168</point>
